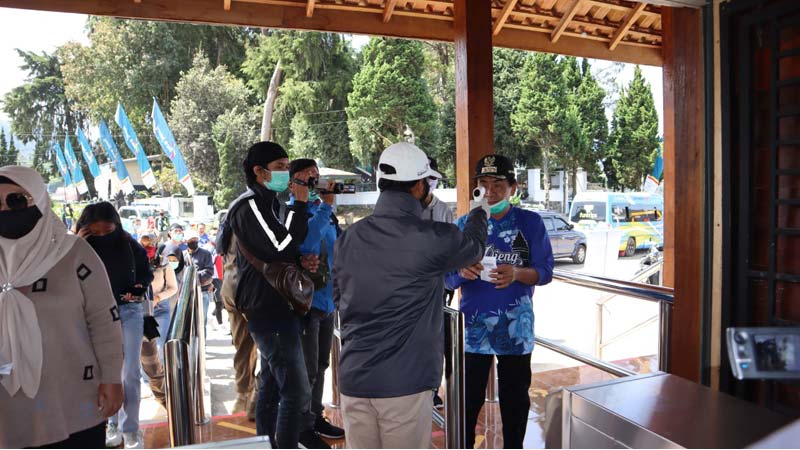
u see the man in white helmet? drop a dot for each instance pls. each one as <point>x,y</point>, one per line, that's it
<point>388,282</point>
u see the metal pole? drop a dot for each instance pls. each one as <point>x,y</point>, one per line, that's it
<point>179,414</point>
<point>665,310</point>
<point>336,348</point>
<point>598,338</point>
<point>201,415</point>
<point>455,429</point>
<point>491,385</point>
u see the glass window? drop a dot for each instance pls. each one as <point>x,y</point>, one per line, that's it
<point>548,223</point>
<point>595,211</point>
<point>560,224</point>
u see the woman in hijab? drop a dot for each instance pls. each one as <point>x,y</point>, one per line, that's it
<point>60,337</point>
<point>130,275</point>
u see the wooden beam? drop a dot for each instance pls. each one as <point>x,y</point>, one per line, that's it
<point>226,5</point>
<point>293,17</point>
<point>310,8</point>
<point>501,19</point>
<point>388,10</point>
<point>474,95</point>
<point>569,13</point>
<point>630,19</point>
<point>684,174</point>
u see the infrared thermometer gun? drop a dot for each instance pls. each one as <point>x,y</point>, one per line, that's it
<point>478,193</point>
<point>479,200</point>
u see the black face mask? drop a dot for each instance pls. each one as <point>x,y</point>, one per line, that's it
<point>192,245</point>
<point>106,240</point>
<point>15,224</point>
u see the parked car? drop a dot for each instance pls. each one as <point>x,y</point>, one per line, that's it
<point>565,240</point>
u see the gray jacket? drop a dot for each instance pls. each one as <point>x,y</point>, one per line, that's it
<point>438,211</point>
<point>388,282</point>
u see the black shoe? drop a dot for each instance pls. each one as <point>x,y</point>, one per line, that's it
<point>437,401</point>
<point>311,439</point>
<point>327,429</point>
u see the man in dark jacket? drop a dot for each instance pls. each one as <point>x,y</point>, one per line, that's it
<point>260,226</point>
<point>204,264</point>
<point>388,275</point>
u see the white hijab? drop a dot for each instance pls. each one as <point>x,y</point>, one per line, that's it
<point>22,262</point>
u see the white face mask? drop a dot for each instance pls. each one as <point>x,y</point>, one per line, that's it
<point>433,183</point>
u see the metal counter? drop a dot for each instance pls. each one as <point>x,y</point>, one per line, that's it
<point>659,410</point>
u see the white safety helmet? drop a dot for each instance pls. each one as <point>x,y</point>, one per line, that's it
<point>405,162</point>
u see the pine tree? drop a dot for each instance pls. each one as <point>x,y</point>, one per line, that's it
<point>390,96</point>
<point>633,143</point>
<point>507,70</point>
<point>12,152</point>
<point>3,148</point>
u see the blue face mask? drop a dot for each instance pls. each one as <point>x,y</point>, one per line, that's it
<point>499,207</point>
<point>279,181</point>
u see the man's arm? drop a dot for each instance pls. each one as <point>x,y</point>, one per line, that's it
<point>266,239</point>
<point>297,221</point>
<point>316,224</point>
<point>205,266</point>
<point>468,246</point>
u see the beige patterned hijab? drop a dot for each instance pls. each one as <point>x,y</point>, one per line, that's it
<point>22,262</point>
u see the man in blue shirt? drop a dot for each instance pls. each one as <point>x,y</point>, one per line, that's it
<point>317,335</point>
<point>496,299</point>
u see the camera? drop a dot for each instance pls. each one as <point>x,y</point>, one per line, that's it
<point>311,182</point>
<point>340,188</point>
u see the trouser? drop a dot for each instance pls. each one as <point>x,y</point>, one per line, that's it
<point>94,437</point>
<point>316,339</point>
<point>154,369</point>
<point>218,299</point>
<point>514,380</point>
<point>206,301</point>
<point>244,360</point>
<point>283,378</point>
<point>397,422</point>
<point>132,317</point>
<point>163,315</point>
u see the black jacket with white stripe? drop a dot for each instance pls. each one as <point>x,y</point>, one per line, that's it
<point>272,232</point>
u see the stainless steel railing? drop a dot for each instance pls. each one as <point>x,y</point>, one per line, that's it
<point>453,421</point>
<point>184,352</point>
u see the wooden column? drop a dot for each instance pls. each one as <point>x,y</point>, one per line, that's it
<point>474,102</point>
<point>683,188</point>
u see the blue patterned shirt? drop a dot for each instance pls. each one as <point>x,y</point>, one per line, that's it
<point>500,322</point>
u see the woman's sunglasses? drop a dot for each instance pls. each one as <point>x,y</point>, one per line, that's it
<point>16,201</point>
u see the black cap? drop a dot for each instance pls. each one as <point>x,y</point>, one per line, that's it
<point>496,166</point>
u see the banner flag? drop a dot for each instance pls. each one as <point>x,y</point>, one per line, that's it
<point>107,142</point>
<point>132,141</point>
<point>75,168</point>
<point>88,155</point>
<point>170,147</point>
<point>62,165</point>
<point>653,180</point>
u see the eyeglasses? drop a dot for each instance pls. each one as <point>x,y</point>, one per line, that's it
<point>16,201</point>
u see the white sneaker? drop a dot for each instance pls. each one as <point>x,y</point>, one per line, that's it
<point>145,392</point>
<point>113,436</point>
<point>134,439</point>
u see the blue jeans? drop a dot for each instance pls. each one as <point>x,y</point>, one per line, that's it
<point>132,317</point>
<point>163,315</point>
<point>207,296</point>
<point>284,392</point>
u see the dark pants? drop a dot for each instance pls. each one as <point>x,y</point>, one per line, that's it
<point>94,437</point>
<point>217,299</point>
<point>514,380</point>
<point>317,337</point>
<point>284,392</point>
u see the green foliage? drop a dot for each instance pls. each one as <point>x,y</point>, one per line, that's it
<point>233,133</point>
<point>633,144</point>
<point>390,95</point>
<point>508,70</point>
<point>133,61</point>
<point>39,109</point>
<point>168,181</point>
<point>203,95</point>
<point>4,156</point>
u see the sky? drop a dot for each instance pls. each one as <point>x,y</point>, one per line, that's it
<point>44,31</point>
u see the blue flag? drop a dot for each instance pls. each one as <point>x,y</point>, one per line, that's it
<point>75,168</point>
<point>62,165</point>
<point>88,155</point>
<point>170,147</point>
<point>132,141</point>
<point>114,158</point>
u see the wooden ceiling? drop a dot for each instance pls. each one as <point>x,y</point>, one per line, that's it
<point>617,30</point>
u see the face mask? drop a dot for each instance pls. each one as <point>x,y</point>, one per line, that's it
<point>16,224</point>
<point>279,181</point>
<point>313,196</point>
<point>108,239</point>
<point>499,207</point>
<point>177,237</point>
<point>192,245</point>
<point>151,251</point>
<point>174,265</point>
<point>433,183</point>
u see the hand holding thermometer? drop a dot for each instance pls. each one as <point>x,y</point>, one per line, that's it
<point>479,200</point>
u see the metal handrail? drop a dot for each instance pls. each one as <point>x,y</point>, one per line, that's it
<point>584,358</point>
<point>628,288</point>
<point>184,355</point>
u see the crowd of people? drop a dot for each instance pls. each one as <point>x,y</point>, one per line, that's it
<point>84,313</point>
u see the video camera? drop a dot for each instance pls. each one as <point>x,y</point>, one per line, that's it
<point>338,188</point>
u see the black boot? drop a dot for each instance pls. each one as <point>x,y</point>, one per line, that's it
<point>327,429</point>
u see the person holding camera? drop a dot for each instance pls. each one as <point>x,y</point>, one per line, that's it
<point>317,251</point>
<point>130,275</point>
<point>268,232</point>
<point>388,282</point>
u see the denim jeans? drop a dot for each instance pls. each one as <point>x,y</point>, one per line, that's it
<point>163,315</point>
<point>316,338</point>
<point>207,296</point>
<point>132,317</point>
<point>284,391</point>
